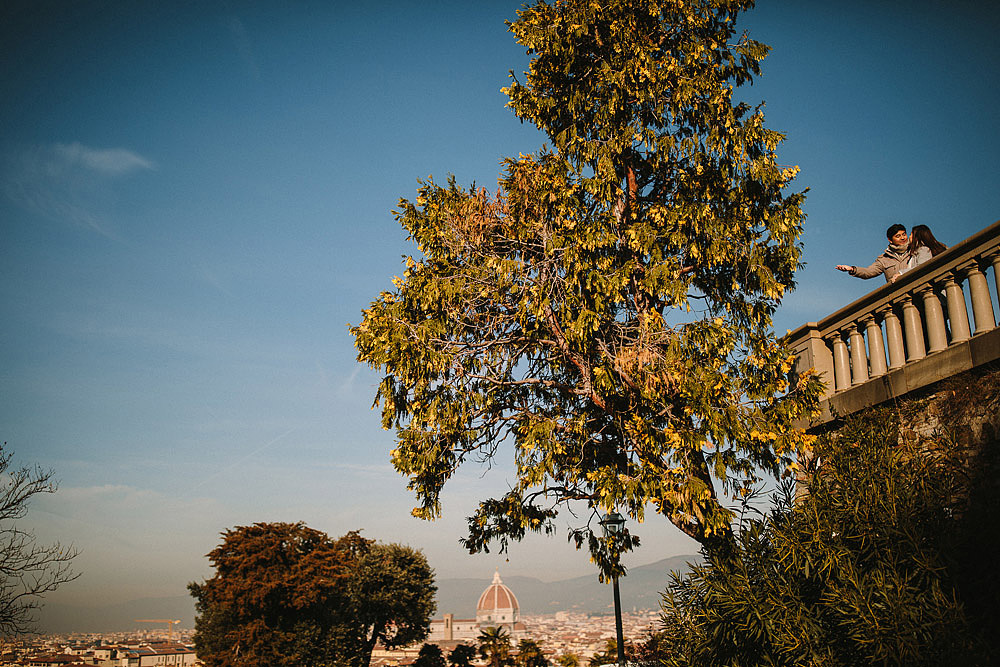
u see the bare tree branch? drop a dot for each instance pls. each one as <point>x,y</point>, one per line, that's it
<point>28,570</point>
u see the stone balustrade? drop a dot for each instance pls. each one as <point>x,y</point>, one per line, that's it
<point>909,334</point>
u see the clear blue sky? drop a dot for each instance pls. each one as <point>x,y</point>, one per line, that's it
<point>195,202</point>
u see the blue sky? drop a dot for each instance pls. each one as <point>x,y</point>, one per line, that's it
<point>195,202</point>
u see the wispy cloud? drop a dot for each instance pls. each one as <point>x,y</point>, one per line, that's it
<point>68,182</point>
<point>113,161</point>
<point>346,388</point>
<point>225,469</point>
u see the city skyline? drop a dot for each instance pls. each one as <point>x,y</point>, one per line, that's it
<point>640,591</point>
<point>196,202</point>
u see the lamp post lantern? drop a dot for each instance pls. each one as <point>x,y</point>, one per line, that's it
<point>614,524</point>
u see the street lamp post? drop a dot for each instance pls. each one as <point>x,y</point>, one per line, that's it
<point>614,524</point>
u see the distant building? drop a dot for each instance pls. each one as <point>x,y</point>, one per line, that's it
<point>55,660</point>
<point>454,630</point>
<point>497,607</point>
<point>163,656</point>
<point>127,654</point>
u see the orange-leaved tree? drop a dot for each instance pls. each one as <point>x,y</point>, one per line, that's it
<point>287,595</point>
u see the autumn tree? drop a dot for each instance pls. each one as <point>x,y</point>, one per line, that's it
<point>276,598</point>
<point>286,594</point>
<point>28,570</point>
<point>608,309</point>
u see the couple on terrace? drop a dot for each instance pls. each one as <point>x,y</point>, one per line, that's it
<point>904,253</point>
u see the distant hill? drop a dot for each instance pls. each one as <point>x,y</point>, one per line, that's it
<point>640,589</point>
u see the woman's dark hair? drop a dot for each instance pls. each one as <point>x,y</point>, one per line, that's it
<point>921,236</point>
<point>889,233</point>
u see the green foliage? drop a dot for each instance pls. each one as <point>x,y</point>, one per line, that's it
<point>430,656</point>
<point>609,656</point>
<point>608,310</point>
<point>461,655</point>
<point>494,646</point>
<point>861,571</point>
<point>568,660</point>
<point>647,651</point>
<point>529,654</point>
<point>287,595</point>
<point>392,596</point>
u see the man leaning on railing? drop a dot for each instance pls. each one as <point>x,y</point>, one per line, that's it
<point>890,263</point>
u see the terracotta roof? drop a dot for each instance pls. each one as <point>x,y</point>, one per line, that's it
<point>497,596</point>
<point>61,659</point>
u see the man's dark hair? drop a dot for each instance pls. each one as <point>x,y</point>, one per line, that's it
<point>889,233</point>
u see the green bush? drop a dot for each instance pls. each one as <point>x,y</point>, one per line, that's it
<point>867,567</point>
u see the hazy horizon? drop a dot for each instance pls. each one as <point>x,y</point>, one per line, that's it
<point>640,589</point>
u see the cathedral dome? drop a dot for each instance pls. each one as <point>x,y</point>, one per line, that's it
<point>497,605</point>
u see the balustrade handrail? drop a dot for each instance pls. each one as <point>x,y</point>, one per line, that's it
<point>933,270</point>
<point>923,313</point>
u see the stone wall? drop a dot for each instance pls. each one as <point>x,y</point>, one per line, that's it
<point>964,409</point>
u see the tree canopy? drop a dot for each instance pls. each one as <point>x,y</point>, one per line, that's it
<point>430,656</point>
<point>529,654</point>
<point>609,656</point>
<point>461,655</point>
<point>608,309</point>
<point>494,646</point>
<point>392,594</point>
<point>286,594</point>
<point>569,660</point>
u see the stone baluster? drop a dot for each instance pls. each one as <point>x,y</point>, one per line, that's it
<point>814,352</point>
<point>914,329</point>
<point>958,315</point>
<point>876,347</point>
<point>994,259</point>
<point>979,294</point>
<point>937,333</point>
<point>859,356</point>
<point>841,362</point>
<point>894,337</point>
